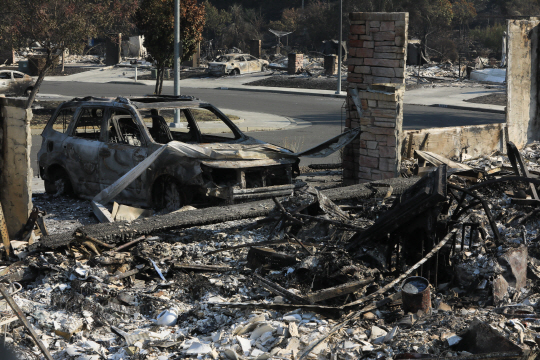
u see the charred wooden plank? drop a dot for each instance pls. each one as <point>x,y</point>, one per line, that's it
<point>260,256</point>
<point>121,231</point>
<point>339,290</point>
<point>197,267</point>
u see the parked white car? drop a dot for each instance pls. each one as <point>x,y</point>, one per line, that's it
<point>236,64</point>
<point>15,83</point>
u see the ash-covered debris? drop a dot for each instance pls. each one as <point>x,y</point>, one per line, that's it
<point>313,278</point>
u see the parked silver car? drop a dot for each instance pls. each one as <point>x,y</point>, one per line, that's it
<point>90,143</point>
<point>235,64</point>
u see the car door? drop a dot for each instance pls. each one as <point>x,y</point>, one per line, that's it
<point>81,148</point>
<point>125,146</point>
<point>242,64</point>
<point>254,64</point>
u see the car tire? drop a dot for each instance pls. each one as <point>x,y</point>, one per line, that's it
<point>28,91</point>
<point>235,72</point>
<point>59,184</point>
<point>168,195</point>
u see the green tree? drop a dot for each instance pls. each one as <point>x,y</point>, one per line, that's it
<point>62,24</point>
<point>427,17</point>
<point>215,22</point>
<point>464,11</point>
<point>155,20</point>
<point>244,25</point>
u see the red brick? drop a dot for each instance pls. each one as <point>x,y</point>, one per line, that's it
<point>358,29</point>
<point>356,43</point>
<point>387,152</point>
<point>351,68</point>
<point>384,36</point>
<point>362,52</point>
<point>353,37</point>
<point>387,26</point>
<point>368,161</point>
<point>355,80</point>
<point>381,62</point>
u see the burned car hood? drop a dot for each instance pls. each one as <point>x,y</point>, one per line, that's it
<point>251,152</point>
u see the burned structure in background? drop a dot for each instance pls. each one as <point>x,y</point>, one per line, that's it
<point>446,265</point>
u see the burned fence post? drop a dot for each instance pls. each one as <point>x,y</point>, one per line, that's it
<point>255,48</point>
<point>331,64</point>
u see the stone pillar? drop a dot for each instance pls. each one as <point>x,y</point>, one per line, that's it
<point>15,170</point>
<point>377,48</point>
<point>521,82</point>
<point>376,154</point>
<point>113,49</point>
<point>331,64</point>
<point>255,48</point>
<point>296,63</point>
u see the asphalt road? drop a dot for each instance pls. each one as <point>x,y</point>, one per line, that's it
<point>326,114</point>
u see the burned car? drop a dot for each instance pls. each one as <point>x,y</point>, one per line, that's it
<point>15,83</point>
<point>90,143</point>
<point>235,64</point>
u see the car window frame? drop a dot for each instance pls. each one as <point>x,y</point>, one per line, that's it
<point>77,118</point>
<point>10,75</point>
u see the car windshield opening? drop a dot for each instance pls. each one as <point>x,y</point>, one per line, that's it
<point>197,125</point>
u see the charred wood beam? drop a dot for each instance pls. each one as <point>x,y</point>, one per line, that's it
<point>197,267</point>
<point>123,231</point>
<point>424,195</point>
<point>492,222</point>
<point>331,222</point>
<point>339,290</point>
<point>278,290</point>
<point>260,243</point>
<point>259,256</point>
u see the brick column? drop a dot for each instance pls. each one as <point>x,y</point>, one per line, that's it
<point>255,48</point>
<point>377,48</point>
<point>376,154</point>
<point>296,63</point>
<point>331,64</point>
<point>377,56</point>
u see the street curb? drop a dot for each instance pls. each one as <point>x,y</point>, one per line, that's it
<point>280,91</point>
<point>126,83</point>
<point>469,108</point>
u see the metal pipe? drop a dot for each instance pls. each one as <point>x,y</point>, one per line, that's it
<point>338,91</point>
<point>176,58</point>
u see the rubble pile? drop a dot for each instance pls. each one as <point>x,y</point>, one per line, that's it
<point>447,267</point>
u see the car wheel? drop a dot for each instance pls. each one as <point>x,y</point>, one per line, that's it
<point>235,72</point>
<point>28,91</point>
<point>172,197</point>
<point>168,195</point>
<point>59,184</point>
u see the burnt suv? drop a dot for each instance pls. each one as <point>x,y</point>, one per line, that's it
<point>89,143</point>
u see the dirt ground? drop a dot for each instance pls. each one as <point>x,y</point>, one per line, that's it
<point>491,99</point>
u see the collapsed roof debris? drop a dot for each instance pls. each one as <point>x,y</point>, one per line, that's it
<point>444,266</point>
